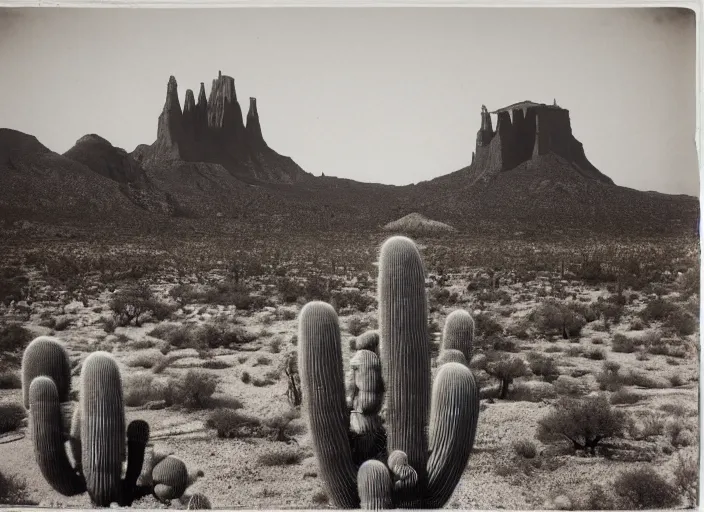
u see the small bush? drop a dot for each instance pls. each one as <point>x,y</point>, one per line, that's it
<point>13,338</point>
<point>585,422</point>
<point>281,457</point>
<point>193,391</point>
<point>525,448</point>
<point>687,477</point>
<point>624,396</point>
<point>624,344</point>
<point>13,491</point>
<point>570,386</point>
<point>544,367</point>
<point>657,310</point>
<point>552,317</point>
<point>682,322</point>
<point>10,380</point>
<point>230,423</point>
<point>643,488</point>
<point>11,417</point>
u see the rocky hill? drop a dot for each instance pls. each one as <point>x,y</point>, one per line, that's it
<point>210,168</point>
<point>213,131</point>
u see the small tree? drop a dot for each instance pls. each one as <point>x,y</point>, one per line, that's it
<point>293,392</point>
<point>585,422</point>
<point>506,371</point>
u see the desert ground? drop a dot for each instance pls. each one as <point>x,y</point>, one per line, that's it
<point>570,336</point>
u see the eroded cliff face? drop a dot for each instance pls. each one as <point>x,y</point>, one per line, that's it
<point>525,131</point>
<point>212,130</point>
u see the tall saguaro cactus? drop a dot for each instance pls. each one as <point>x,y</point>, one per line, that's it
<point>98,439</point>
<point>428,433</point>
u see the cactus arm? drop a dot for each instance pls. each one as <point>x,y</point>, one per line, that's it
<point>452,355</point>
<point>102,428</point>
<point>198,502</point>
<point>405,351</point>
<point>137,437</point>
<point>458,333</point>
<point>322,379</point>
<point>374,485</point>
<point>453,425</point>
<point>48,438</point>
<point>46,356</point>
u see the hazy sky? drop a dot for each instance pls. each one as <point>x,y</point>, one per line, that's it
<point>384,95</point>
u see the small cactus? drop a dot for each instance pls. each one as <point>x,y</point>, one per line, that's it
<point>95,430</point>
<point>198,501</point>
<point>428,433</point>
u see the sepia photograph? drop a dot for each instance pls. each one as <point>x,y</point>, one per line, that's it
<point>349,258</point>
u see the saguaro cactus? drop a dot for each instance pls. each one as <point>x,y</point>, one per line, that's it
<point>428,433</point>
<point>98,439</point>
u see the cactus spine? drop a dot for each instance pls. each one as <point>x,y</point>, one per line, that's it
<point>97,437</point>
<point>428,440</point>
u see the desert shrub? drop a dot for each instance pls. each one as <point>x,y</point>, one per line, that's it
<point>570,386</point>
<point>506,370</point>
<point>320,498</point>
<point>574,351</point>
<point>62,323</point>
<point>657,310</point>
<point>636,325</point>
<point>609,311</point>
<point>12,285</point>
<point>144,359</point>
<point>624,396</point>
<point>594,272</point>
<point>519,329</point>
<point>136,301</point>
<point>525,448</point>
<point>643,489</point>
<point>11,417</point>
<point>676,380</point>
<point>216,364</point>
<point>682,322</point>
<point>598,497</point>
<point>552,317</point>
<point>676,409</point>
<point>219,334</point>
<point>643,380</point>
<point>531,391</point>
<point>583,421</point>
<point>502,344</point>
<point>595,354</point>
<point>230,423</point>
<point>109,324</point>
<point>609,379</point>
<point>140,389</point>
<point>543,366</point>
<point>10,380</point>
<point>279,424</point>
<point>681,433</point>
<point>688,282</point>
<point>624,344</point>
<point>246,378</point>
<point>686,475</point>
<point>193,391</point>
<point>13,338</point>
<point>281,456</point>
<point>588,311</point>
<point>356,326</point>
<point>275,346</point>
<point>231,293</point>
<point>486,325</point>
<point>353,299</point>
<point>13,491</point>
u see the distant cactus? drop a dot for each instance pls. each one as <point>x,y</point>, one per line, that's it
<point>96,433</point>
<point>428,439</point>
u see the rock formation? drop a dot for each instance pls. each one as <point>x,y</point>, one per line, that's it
<point>526,131</point>
<point>213,131</point>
